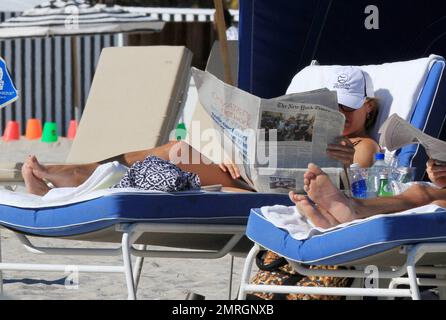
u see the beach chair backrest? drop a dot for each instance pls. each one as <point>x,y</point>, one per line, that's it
<point>411,89</point>
<point>133,102</point>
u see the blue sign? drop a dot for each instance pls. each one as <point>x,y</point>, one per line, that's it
<point>8,92</point>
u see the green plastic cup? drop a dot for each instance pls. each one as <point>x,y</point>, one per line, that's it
<point>181,132</point>
<point>49,134</point>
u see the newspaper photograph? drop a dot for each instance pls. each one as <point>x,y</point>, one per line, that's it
<point>274,139</point>
<point>397,133</point>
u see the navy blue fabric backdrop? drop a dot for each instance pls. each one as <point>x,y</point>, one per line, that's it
<point>278,38</point>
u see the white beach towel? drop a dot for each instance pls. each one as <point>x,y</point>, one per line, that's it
<point>104,176</point>
<point>95,186</point>
<point>291,220</point>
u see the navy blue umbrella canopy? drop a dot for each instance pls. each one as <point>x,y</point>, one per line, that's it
<point>279,38</point>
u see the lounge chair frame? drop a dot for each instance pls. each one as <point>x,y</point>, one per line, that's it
<point>407,274</point>
<point>129,235</point>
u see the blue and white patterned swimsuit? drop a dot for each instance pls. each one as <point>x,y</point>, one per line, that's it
<point>157,174</point>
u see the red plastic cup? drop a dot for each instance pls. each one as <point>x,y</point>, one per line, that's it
<point>12,131</point>
<point>72,129</point>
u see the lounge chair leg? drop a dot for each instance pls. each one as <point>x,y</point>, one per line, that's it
<point>138,268</point>
<point>128,266</point>
<point>247,271</point>
<point>231,274</point>
<point>412,275</point>
<point>441,290</point>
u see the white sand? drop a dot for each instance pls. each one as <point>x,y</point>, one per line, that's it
<point>160,278</point>
<point>17,151</point>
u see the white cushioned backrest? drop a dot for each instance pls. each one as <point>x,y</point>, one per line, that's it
<point>397,85</point>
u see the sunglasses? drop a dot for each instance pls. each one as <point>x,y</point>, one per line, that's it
<point>345,108</point>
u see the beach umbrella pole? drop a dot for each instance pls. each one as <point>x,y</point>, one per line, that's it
<point>221,30</point>
<point>75,78</point>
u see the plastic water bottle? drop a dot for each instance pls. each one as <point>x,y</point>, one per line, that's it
<point>379,173</point>
<point>359,184</point>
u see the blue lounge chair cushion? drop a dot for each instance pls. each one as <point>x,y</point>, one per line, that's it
<point>196,207</point>
<point>352,242</point>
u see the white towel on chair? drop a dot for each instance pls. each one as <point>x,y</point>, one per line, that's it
<point>95,186</point>
<point>300,228</point>
<point>103,177</point>
<point>290,219</point>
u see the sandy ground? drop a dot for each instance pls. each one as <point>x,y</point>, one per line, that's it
<point>160,278</point>
<point>17,151</point>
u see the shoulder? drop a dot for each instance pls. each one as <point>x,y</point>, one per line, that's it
<point>366,144</point>
<point>365,150</point>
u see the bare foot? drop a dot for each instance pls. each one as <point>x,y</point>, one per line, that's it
<point>34,185</point>
<point>38,170</point>
<point>326,195</point>
<point>318,216</point>
<point>61,175</point>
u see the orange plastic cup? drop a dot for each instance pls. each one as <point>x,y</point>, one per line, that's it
<point>72,129</point>
<point>12,131</point>
<point>33,129</point>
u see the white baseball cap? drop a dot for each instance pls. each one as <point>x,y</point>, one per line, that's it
<point>352,85</point>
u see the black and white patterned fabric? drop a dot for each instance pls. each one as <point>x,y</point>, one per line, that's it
<point>156,174</point>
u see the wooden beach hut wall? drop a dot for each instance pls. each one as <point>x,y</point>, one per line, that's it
<point>66,21</point>
<point>49,61</point>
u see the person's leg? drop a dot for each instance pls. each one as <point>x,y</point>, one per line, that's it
<point>191,160</point>
<point>331,200</point>
<point>74,175</point>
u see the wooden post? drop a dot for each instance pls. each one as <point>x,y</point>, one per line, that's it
<point>75,79</point>
<point>221,30</point>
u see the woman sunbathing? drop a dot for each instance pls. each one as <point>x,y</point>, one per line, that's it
<point>356,102</point>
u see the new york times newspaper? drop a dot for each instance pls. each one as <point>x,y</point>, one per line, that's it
<point>273,140</point>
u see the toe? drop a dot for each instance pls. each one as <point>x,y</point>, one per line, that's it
<point>309,175</point>
<point>314,169</point>
<point>291,194</point>
<point>312,214</point>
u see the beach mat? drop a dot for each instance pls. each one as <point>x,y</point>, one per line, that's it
<point>133,103</point>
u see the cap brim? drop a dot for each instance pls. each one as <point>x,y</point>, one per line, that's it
<point>351,101</point>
